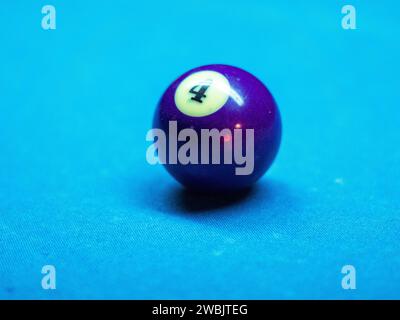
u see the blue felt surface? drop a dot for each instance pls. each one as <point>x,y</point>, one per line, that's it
<point>76,191</point>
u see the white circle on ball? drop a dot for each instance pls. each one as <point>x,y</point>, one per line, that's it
<point>202,93</point>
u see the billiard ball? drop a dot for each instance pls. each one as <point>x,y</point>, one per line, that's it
<point>226,102</point>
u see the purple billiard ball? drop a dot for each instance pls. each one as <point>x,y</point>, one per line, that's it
<point>222,129</point>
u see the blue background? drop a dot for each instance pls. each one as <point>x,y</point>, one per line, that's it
<point>76,191</point>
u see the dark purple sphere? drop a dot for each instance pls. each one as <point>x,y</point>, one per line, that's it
<point>221,97</point>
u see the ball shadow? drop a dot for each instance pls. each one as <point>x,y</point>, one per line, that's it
<point>262,202</point>
<point>191,201</point>
<point>265,195</point>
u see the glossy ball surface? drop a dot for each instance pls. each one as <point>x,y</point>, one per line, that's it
<point>221,97</point>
